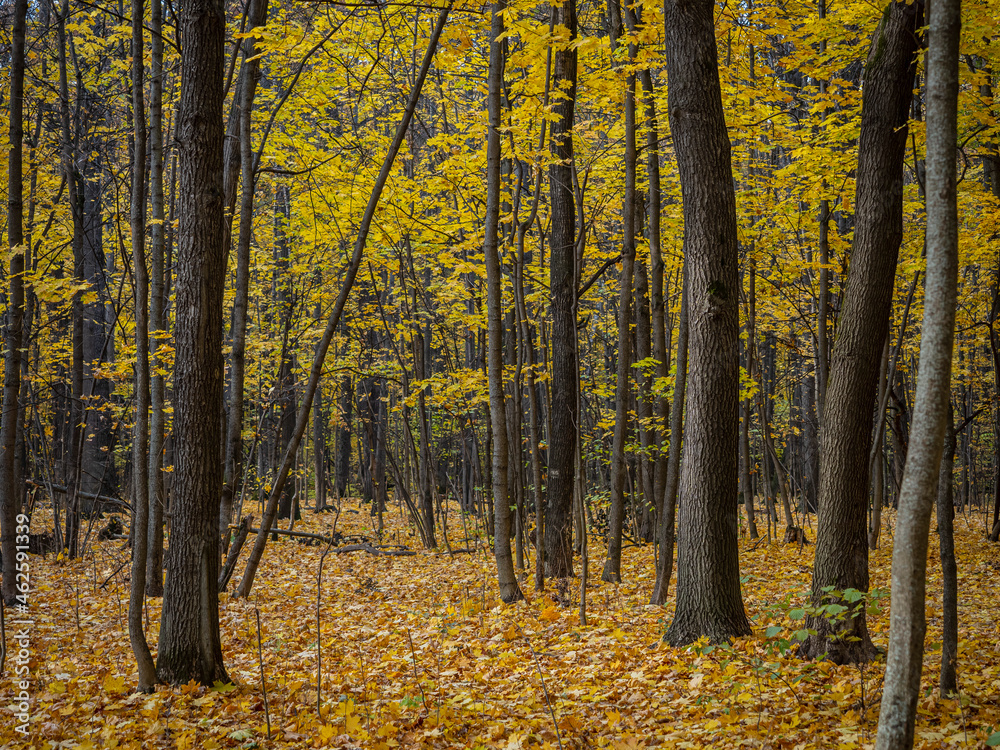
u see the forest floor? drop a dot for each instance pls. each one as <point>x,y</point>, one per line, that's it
<point>418,652</point>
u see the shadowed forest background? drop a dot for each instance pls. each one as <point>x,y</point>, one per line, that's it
<point>511,375</point>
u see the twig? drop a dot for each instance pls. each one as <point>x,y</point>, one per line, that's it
<point>263,685</point>
<point>415,676</point>
<point>545,690</point>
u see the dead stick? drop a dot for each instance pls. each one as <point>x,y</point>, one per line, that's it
<point>263,685</point>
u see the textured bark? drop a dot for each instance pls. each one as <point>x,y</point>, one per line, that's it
<point>907,624</point>
<point>190,647</point>
<point>9,492</point>
<point>841,544</point>
<point>506,579</point>
<point>562,286</point>
<point>709,600</point>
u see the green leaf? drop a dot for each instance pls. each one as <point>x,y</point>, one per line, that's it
<point>994,740</point>
<point>801,635</point>
<point>832,610</point>
<point>240,735</point>
<point>797,614</point>
<point>772,631</point>
<point>853,595</point>
<point>223,687</point>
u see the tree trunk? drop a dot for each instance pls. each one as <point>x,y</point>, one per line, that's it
<point>510,591</point>
<point>709,600</point>
<point>907,623</point>
<point>157,308</point>
<point>841,541</point>
<point>948,682</point>
<point>140,435</point>
<point>562,285</point>
<point>9,492</point>
<point>190,647</point>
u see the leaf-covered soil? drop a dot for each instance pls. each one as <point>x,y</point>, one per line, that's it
<point>417,651</point>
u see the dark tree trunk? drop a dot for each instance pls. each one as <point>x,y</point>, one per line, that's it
<point>9,493</point>
<point>709,600</point>
<point>562,284</point>
<point>841,540</point>
<point>190,647</point>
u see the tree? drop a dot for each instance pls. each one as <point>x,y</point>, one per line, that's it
<point>509,589</point>
<point>140,437</point>
<point>562,286</point>
<point>841,541</point>
<point>709,600</point>
<point>9,492</point>
<point>190,646</point>
<point>931,416</point>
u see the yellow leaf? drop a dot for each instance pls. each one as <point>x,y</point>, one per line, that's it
<point>114,685</point>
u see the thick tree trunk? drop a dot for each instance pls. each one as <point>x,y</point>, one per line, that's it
<point>842,545</point>
<point>562,285</point>
<point>190,647</point>
<point>709,600</point>
<point>907,624</point>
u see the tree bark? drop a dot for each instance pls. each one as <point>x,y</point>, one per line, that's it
<point>709,600</point>
<point>190,647</point>
<point>907,624</point>
<point>842,544</point>
<point>562,285</point>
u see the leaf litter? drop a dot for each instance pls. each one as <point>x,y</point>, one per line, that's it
<point>418,652</point>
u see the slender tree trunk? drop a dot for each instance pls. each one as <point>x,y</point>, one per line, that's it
<point>157,308</point>
<point>13,336</point>
<point>709,600</point>
<point>841,540</point>
<point>665,568</point>
<point>562,285</point>
<point>948,682</point>
<point>923,467</point>
<point>510,591</point>
<point>240,145</point>
<point>253,562</point>
<point>140,433</point>
<point>190,646</point>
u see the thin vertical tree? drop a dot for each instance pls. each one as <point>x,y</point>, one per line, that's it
<point>510,591</point>
<point>140,431</point>
<point>907,624</point>
<point>9,492</point>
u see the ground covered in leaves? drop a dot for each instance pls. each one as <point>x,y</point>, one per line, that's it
<point>416,651</point>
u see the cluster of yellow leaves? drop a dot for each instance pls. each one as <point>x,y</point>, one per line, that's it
<point>417,652</point>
